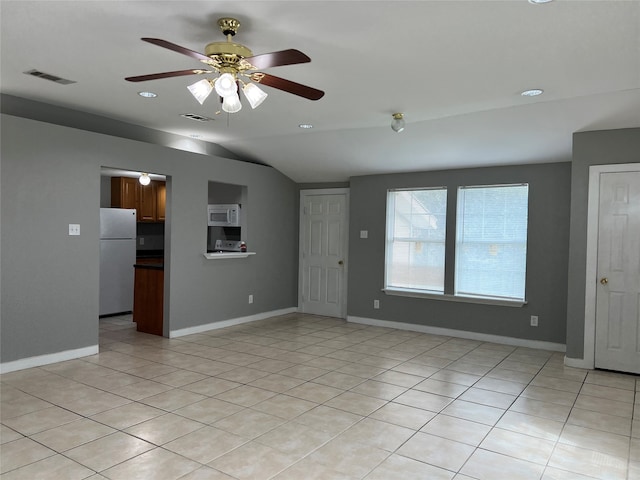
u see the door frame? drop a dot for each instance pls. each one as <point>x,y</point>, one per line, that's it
<point>324,191</point>
<point>166,327</point>
<point>593,213</point>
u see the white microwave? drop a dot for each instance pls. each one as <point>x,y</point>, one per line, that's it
<point>223,215</point>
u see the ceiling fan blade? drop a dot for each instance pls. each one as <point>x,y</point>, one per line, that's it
<point>288,86</point>
<point>177,48</point>
<point>277,59</point>
<point>156,76</point>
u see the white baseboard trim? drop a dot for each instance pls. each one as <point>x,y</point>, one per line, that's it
<point>482,337</point>
<point>578,363</point>
<point>229,323</point>
<point>40,360</point>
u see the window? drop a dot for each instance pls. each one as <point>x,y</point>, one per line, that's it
<point>416,234</point>
<point>491,241</point>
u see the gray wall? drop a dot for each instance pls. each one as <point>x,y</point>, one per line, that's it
<point>50,281</point>
<point>24,107</point>
<point>548,246</point>
<point>589,148</point>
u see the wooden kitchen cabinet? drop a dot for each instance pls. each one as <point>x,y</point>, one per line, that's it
<point>162,201</point>
<point>149,200</point>
<point>148,195</point>
<point>124,192</point>
<point>148,298</point>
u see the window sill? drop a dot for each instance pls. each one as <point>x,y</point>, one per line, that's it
<point>453,298</point>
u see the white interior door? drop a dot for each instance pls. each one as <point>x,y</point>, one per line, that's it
<point>617,342</point>
<point>323,250</point>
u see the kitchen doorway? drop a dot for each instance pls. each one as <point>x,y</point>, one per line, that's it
<point>122,191</point>
<point>322,281</point>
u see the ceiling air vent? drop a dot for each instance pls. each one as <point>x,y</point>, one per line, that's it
<point>197,118</point>
<point>48,76</point>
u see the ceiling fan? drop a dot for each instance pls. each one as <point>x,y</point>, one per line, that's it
<point>237,67</point>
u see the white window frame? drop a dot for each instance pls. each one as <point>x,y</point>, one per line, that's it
<point>445,295</point>
<point>390,238</point>
<point>460,217</point>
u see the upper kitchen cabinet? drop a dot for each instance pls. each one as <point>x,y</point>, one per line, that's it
<point>148,206</point>
<point>124,192</point>
<point>148,200</point>
<point>162,200</point>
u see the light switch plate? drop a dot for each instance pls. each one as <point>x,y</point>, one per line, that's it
<point>74,229</point>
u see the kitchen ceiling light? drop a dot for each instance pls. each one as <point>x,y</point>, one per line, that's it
<point>397,124</point>
<point>201,90</point>
<point>144,179</point>
<point>254,94</point>
<point>539,2</point>
<point>534,92</point>
<point>305,125</point>
<point>148,94</point>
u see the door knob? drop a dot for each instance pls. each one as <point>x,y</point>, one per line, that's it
<point>340,262</point>
<point>604,280</point>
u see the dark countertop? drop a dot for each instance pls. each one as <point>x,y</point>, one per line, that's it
<point>149,266</point>
<point>149,253</point>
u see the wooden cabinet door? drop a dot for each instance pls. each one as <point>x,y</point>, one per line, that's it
<point>124,192</point>
<point>148,202</point>
<point>161,201</point>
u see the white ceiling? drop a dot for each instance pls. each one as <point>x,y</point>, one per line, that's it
<point>455,68</point>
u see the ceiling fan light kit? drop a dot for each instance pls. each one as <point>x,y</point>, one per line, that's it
<point>201,89</point>
<point>226,85</point>
<point>398,123</point>
<point>233,61</point>
<point>231,103</point>
<point>254,94</point>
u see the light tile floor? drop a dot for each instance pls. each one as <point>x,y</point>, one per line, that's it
<point>304,397</point>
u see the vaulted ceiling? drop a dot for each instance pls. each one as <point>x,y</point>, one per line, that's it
<point>454,68</point>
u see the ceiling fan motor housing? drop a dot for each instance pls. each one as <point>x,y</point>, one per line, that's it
<point>228,49</point>
<point>228,55</point>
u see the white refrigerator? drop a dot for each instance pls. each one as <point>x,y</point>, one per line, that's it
<point>117,257</point>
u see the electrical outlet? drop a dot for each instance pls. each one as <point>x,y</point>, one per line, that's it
<point>250,298</point>
<point>364,233</point>
<point>534,320</point>
<point>74,229</point>
<point>141,240</point>
<point>376,304</point>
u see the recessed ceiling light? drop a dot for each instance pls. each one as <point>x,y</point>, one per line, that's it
<point>195,135</point>
<point>148,94</point>
<point>538,2</point>
<point>534,92</point>
<point>305,125</point>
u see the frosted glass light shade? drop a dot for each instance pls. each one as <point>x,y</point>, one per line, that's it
<point>226,85</point>
<point>231,103</point>
<point>144,179</point>
<point>397,124</point>
<point>254,94</point>
<point>201,90</point>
